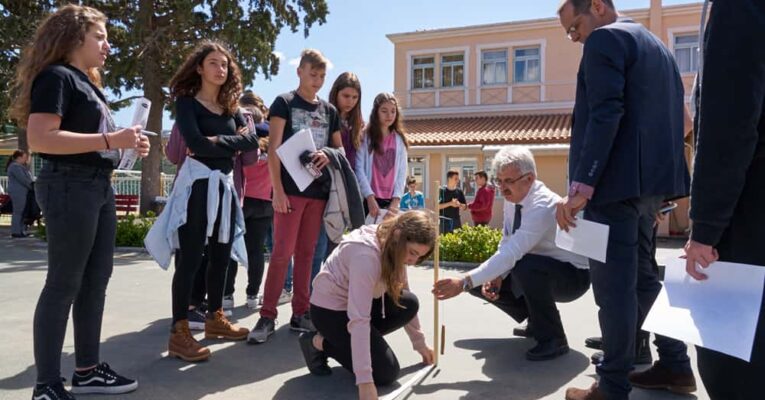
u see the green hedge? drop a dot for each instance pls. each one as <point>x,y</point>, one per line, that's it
<point>130,230</point>
<point>470,244</point>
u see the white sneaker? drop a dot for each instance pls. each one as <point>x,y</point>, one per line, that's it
<point>228,302</point>
<point>254,302</point>
<point>285,297</point>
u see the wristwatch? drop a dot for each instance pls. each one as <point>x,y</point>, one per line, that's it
<point>467,283</point>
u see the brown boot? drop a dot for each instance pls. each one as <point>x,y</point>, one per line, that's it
<point>184,346</point>
<point>218,327</point>
<point>593,393</point>
<point>659,377</point>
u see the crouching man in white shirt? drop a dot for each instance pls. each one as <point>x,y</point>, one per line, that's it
<point>528,274</point>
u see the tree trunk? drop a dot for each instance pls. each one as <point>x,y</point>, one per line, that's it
<point>21,137</point>
<point>151,166</point>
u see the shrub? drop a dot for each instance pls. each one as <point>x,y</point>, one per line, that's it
<point>470,244</point>
<point>130,230</point>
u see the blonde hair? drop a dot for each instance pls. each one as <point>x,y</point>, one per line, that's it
<point>394,234</point>
<point>314,59</point>
<point>57,36</point>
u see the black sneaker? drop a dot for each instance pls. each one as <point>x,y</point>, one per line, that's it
<point>102,379</point>
<point>315,360</point>
<point>52,392</point>
<point>264,328</point>
<point>301,323</point>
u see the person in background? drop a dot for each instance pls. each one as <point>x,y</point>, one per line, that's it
<point>482,205</point>
<point>451,200</point>
<point>413,199</point>
<point>19,185</point>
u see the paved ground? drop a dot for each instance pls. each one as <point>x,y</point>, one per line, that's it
<point>482,359</point>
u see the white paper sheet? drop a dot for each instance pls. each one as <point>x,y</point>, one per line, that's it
<point>719,313</point>
<point>589,239</point>
<point>370,220</point>
<point>289,154</point>
<point>142,106</point>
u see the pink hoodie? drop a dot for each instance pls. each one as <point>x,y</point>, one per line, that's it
<point>348,281</point>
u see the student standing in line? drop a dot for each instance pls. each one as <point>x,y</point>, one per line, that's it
<point>60,102</point>
<point>206,91</point>
<point>345,95</point>
<point>362,293</point>
<point>381,163</point>
<point>297,211</point>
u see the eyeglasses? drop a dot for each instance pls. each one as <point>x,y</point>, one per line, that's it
<point>572,30</point>
<point>513,181</point>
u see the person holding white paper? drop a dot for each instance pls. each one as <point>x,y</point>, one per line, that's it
<point>60,102</point>
<point>727,194</point>
<point>295,211</point>
<point>626,157</point>
<point>528,274</point>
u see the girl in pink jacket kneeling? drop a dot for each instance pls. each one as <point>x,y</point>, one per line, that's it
<point>361,294</point>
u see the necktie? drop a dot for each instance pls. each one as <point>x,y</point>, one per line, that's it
<point>517,218</point>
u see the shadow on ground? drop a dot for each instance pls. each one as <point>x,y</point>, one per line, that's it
<point>509,375</point>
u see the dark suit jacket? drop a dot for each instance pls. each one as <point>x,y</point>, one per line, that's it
<point>627,136</point>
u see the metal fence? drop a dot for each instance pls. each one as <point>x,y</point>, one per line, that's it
<point>124,182</point>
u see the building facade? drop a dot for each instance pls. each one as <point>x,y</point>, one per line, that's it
<point>467,91</point>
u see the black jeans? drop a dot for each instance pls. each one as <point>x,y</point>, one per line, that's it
<point>533,287</point>
<point>192,238</point>
<point>333,325</point>
<point>199,288</point>
<point>258,217</point>
<point>80,218</point>
<point>622,285</point>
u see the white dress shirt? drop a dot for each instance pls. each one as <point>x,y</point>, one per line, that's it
<point>536,235</point>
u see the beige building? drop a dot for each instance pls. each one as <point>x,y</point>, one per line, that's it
<point>467,91</point>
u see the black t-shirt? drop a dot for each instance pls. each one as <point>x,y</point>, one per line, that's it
<point>445,196</point>
<point>64,90</point>
<point>196,123</point>
<point>322,120</point>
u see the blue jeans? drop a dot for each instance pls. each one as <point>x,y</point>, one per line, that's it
<point>320,253</point>
<point>623,283</point>
<point>270,246</point>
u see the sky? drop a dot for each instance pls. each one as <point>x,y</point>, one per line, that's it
<point>353,38</point>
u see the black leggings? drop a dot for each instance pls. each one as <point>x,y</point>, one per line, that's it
<point>337,340</point>
<point>192,241</point>
<point>258,216</point>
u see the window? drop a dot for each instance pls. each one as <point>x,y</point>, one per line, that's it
<point>423,71</point>
<point>466,166</point>
<point>417,169</point>
<point>527,65</point>
<point>452,70</point>
<point>494,67</point>
<point>687,52</point>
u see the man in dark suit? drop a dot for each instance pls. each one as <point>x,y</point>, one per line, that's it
<point>728,191</point>
<point>626,157</point>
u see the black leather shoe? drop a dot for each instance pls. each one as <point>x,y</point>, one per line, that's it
<point>315,360</point>
<point>548,350</point>
<point>523,331</point>
<point>595,342</point>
